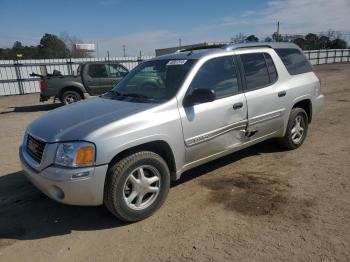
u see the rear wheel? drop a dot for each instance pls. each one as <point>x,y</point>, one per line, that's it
<point>137,186</point>
<point>296,130</point>
<point>70,97</point>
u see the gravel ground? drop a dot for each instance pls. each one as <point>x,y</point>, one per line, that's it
<point>260,204</point>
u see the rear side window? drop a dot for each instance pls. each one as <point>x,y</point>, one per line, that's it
<point>271,68</point>
<point>295,62</point>
<point>218,74</point>
<point>255,70</point>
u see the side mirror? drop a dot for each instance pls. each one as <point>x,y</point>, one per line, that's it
<point>199,96</point>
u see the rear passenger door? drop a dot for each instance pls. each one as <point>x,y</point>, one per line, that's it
<point>265,114</point>
<point>214,127</point>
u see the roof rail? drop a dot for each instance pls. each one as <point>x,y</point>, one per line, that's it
<point>232,46</point>
<point>262,44</point>
<point>203,47</point>
<point>247,45</point>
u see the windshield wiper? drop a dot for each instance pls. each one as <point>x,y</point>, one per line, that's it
<point>117,95</point>
<point>136,95</point>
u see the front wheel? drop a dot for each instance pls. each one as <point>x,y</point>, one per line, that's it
<point>296,130</point>
<point>137,186</point>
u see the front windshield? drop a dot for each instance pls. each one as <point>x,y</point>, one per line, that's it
<point>155,80</point>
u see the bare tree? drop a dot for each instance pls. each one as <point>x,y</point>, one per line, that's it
<point>71,41</point>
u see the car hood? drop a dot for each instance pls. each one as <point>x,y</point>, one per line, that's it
<point>76,121</point>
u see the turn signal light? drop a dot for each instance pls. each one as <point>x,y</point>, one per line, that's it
<point>85,156</point>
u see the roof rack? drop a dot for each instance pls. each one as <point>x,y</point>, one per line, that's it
<point>232,46</point>
<point>203,47</point>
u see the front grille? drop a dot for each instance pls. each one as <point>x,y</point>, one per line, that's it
<point>35,148</point>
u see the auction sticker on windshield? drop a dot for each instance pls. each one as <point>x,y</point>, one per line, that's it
<point>176,62</point>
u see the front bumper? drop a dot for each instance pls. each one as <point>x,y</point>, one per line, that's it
<point>58,184</point>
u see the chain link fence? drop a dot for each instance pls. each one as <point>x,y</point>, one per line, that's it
<point>15,76</point>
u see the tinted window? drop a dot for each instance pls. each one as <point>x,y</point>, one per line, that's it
<point>116,70</point>
<point>98,70</point>
<point>255,69</point>
<point>295,62</point>
<point>217,74</point>
<point>271,68</point>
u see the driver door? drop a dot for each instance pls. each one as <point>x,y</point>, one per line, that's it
<point>96,77</point>
<point>214,127</point>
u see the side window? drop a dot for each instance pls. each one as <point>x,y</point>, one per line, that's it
<point>295,62</point>
<point>97,71</point>
<point>116,70</point>
<point>217,74</point>
<point>255,70</point>
<point>271,68</point>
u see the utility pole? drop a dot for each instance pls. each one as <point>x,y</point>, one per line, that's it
<point>124,50</point>
<point>180,43</point>
<point>278,31</point>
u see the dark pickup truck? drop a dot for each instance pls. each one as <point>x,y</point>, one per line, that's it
<point>92,78</point>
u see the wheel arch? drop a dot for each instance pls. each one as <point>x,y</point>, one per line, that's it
<point>70,88</point>
<point>306,105</point>
<point>159,147</point>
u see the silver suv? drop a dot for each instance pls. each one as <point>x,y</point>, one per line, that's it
<point>168,115</point>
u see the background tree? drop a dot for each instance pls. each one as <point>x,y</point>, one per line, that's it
<point>312,41</point>
<point>300,42</point>
<point>52,47</point>
<point>268,39</point>
<point>324,42</point>
<point>338,44</point>
<point>252,38</point>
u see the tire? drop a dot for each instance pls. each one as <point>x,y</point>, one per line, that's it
<point>70,97</point>
<point>124,186</point>
<point>293,139</point>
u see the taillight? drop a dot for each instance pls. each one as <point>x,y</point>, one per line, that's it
<point>317,75</point>
<point>43,84</point>
<point>318,86</point>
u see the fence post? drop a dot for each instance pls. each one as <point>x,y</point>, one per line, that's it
<point>326,56</point>
<point>341,58</point>
<point>18,76</point>
<point>318,56</point>
<point>69,66</point>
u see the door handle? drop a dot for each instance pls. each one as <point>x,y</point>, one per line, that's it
<point>282,93</point>
<point>237,105</point>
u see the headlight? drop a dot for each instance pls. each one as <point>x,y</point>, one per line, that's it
<point>75,154</point>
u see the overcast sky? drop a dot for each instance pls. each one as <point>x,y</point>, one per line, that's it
<point>146,25</point>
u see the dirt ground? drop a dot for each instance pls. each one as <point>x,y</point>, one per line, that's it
<point>260,204</point>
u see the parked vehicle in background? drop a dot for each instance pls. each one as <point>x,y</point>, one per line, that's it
<point>92,78</point>
<point>123,148</point>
